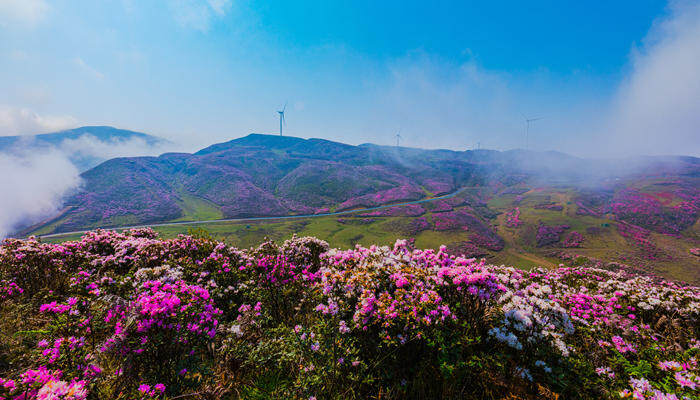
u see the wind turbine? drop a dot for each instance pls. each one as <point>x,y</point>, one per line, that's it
<point>398,137</point>
<point>527,128</point>
<point>281,113</point>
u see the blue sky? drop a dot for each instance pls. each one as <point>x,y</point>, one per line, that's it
<point>449,74</point>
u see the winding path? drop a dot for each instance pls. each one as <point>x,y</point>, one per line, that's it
<point>281,217</point>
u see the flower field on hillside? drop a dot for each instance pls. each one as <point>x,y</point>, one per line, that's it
<point>129,315</point>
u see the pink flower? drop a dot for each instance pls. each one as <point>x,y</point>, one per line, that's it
<point>684,381</point>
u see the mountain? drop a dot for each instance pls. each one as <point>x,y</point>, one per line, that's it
<point>266,175</point>
<point>515,206</point>
<point>79,143</point>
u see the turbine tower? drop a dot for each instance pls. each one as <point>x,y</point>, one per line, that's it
<point>281,113</point>
<point>527,129</point>
<point>398,137</point>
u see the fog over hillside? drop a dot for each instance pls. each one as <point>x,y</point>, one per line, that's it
<point>40,170</point>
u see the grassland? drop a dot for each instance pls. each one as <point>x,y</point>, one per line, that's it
<point>602,241</point>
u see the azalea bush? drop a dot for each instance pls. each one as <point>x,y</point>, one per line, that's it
<point>129,315</point>
<point>513,218</point>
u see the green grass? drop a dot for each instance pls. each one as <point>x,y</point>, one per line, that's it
<point>49,227</point>
<point>197,209</point>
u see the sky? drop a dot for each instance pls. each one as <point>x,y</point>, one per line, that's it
<point>607,78</point>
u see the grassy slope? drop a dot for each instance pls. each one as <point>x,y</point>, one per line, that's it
<point>607,245</point>
<point>196,208</point>
<point>520,249</point>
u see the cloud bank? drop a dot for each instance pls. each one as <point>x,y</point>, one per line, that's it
<point>17,121</point>
<point>657,108</point>
<point>36,178</point>
<point>33,186</point>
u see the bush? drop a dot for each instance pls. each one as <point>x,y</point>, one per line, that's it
<point>128,315</point>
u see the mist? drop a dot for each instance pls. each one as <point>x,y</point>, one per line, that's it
<point>87,150</point>
<point>19,120</point>
<point>33,186</point>
<point>657,108</point>
<point>37,178</point>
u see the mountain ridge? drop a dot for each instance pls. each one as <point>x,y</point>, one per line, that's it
<point>102,132</point>
<point>276,175</point>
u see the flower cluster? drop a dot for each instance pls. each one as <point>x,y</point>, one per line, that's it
<point>9,289</point>
<point>549,206</point>
<point>410,210</point>
<point>573,239</point>
<point>128,315</point>
<point>513,218</point>
<point>547,235</point>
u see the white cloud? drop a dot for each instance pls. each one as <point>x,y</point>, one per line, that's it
<point>22,12</point>
<point>33,187</point>
<point>20,121</point>
<point>198,14</point>
<point>89,146</point>
<point>220,7</point>
<point>657,109</point>
<point>88,69</point>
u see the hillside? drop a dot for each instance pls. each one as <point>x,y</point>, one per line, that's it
<point>516,207</point>
<point>262,175</point>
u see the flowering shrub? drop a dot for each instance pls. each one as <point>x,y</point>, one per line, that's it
<point>404,192</point>
<point>437,187</point>
<point>9,289</point>
<point>411,210</point>
<point>641,237</point>
<point>573,239</point>
<point>513,218</point>
<point>489,241</point>
<point>549,206</point>
<point>167,324</point>
<point>453,220</point>
<point>584,210</point>
<point>547,235</point>
<point>654,212</point>
<point>129,315</point>
<point>440,206</point>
